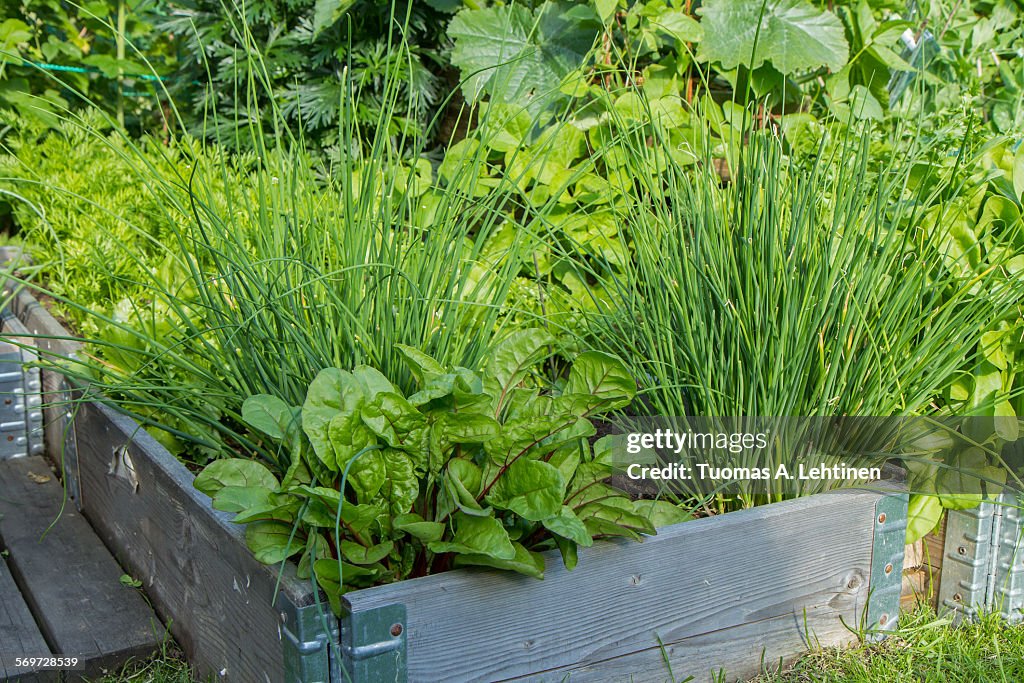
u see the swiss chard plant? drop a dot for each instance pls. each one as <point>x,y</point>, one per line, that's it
<point>470,469</point>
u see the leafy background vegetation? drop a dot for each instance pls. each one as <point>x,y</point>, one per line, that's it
<point>230,204</point>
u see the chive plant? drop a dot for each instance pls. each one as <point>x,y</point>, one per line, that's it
<point>820,289</point>
<point>268,275</point>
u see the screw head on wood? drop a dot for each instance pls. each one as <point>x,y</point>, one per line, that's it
<point>396,630</point>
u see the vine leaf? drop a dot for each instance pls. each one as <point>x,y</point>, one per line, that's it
<point>794,35</point>
<point>515,55</point>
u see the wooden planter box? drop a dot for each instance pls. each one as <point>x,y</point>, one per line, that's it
<point>734,593</point>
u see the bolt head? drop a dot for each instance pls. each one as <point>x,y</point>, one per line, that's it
<point>396,630</point>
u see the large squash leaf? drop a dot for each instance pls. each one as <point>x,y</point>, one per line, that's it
<point>515,55</point>
<point>794,35</point>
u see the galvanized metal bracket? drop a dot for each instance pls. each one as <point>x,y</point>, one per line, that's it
<point>886,580</point>
<point>983,560</point>
<point>373,645</point>
<point>21,414</point>
<point>1007,577</point>
<point>306,641</point>
<point>967,559</point>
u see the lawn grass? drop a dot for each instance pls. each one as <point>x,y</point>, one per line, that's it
<point>925,649</point>
<point>168,666</point>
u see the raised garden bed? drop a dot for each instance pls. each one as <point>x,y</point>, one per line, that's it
<point>734,593</point>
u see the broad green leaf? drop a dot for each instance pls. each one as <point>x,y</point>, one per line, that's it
<point>421,365</point>
<point>12,33</point>
<point>923,515</point>
<point>347,436</point>
<point>568,525</point>
<point>533,489</point>
<point>614,517</point>
<point>360,554</point>
<point>523,435</point>
<point>277,508</point>
<point>515,55</point>
<point>661,513</point>
<point>513,359</point>
<point>327,12</point>
<point>372,381</point>
<point>467,427</point>
<point>416,526</point>
<point>606,9</point>
<point>234,472</point>
<point>569,551</point>
<point>401,485</point>
<point>522,561</point>
<point>677,24</point>
<point>356,517</point>
<point>269,541</point>
<point>333,395</point>
<point>794,35</point>
<point>505,126</point>
<point>464,481</point>
<point>269,414</point>
<point>864,105</point>
<point>240,498</point>
<point>392,418</point>
<point>603,377</point>
<point>477,536</point>
<point>567,458</point>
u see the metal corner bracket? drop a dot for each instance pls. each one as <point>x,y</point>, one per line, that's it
<point>886,579</point>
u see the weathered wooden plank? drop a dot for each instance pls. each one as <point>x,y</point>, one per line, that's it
<point>691,579</point>
<point>732,654</point>
<point>193,562</point>
<point>934,545</point>
<point>19,635</point>
<point>68,578</point>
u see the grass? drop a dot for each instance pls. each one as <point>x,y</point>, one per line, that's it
<point>925,649</point>
<point>169,666</point>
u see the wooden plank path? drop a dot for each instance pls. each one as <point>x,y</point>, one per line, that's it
<point>60,589</point>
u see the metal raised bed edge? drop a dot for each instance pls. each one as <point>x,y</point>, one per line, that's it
<point>724,593</point>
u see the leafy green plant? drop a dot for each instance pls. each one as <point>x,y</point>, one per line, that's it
<point>789,290</point>
<point>56,54</point>
<point>469,469</point>
<point>259,280</point>
<point>287,62</point>
<point>517,55</point>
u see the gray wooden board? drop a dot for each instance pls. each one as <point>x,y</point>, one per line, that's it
<point>695,578</point>
<point>193,562</point>
<point>19,635</point>
<point>732,654</point>
<point>68,578</point>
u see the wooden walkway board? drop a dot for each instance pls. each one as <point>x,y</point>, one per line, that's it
<point>68,578</point>
<point>19,635</point>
